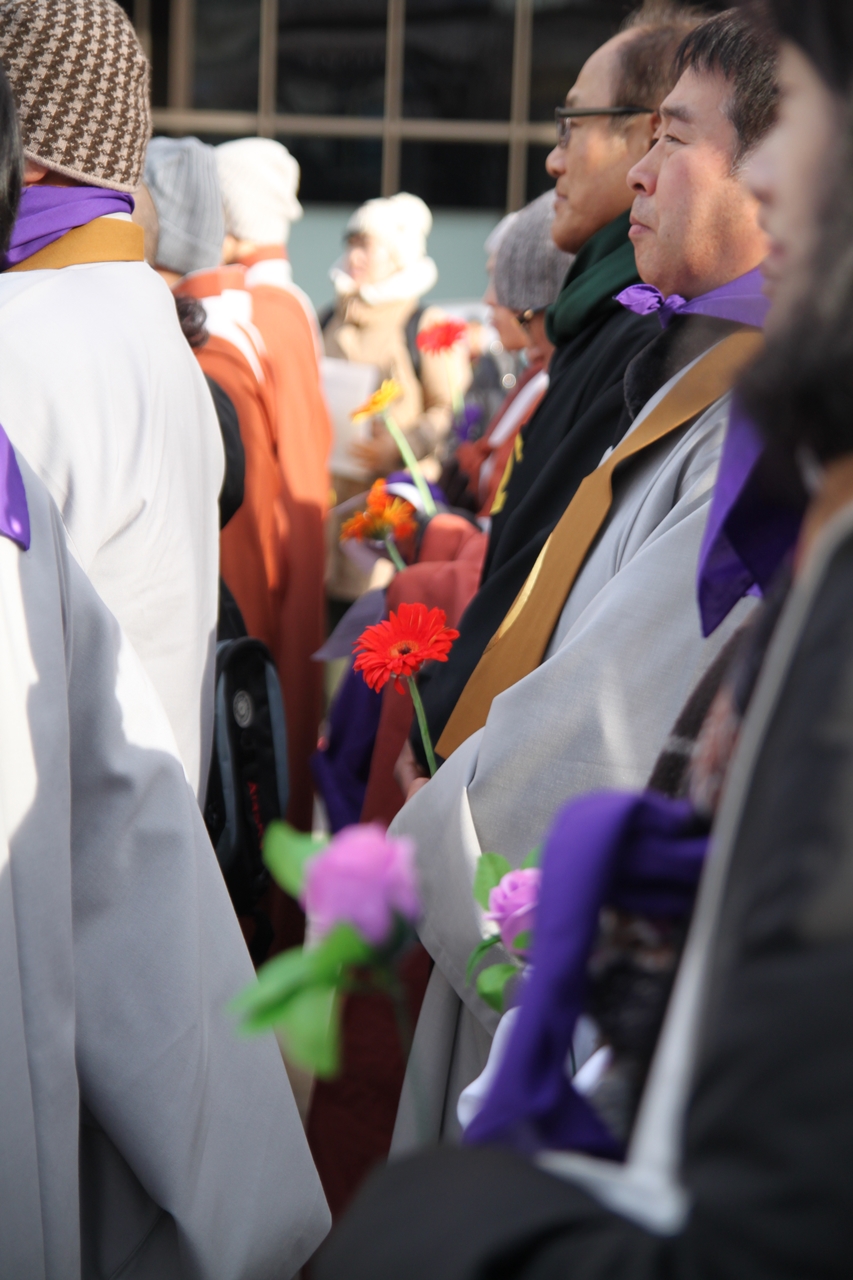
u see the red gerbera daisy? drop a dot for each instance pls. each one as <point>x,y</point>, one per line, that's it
<point>442,336</point>
<point>399,647</point>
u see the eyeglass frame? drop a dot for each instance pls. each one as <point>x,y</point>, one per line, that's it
<point>563,117</point>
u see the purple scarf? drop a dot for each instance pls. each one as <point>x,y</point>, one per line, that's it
<point>642,853</point>
<point>749,532</point>
<point>47,213</point>
<point>740,300</point>
<point>14,515</point>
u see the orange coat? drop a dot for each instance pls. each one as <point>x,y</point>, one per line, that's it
<point>303,443</point>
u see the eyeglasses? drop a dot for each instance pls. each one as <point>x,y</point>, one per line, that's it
<point>524,317</point>
<point>565,115</point>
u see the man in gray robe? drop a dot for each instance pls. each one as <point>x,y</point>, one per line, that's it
<point>628,645</point>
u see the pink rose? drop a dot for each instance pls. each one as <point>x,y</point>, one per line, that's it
<point>364,879</point>
<point>512,904</point>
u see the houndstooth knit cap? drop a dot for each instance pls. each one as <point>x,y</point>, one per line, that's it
<point>80,81</point>
<point>529,268</point>
<point>182,178</point>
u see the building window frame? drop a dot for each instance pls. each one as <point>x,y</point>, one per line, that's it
<point>393,128</point>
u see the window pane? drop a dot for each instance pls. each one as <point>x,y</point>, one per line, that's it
<point>455,175</point>
<point>159,12</point>
<point>565,33</point>
<point>338,170</point>
<point>458,59</point>
<point>227,45</point>
<point>538,180</point>
<point>331,57</point>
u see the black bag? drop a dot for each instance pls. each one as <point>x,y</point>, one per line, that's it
<point>248,785</point>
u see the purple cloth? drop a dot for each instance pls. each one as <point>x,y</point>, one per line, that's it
<point>740,300</point>
<point>342,768</point>
<point>640,852</point>
<point>47,213</point>
<point>14,513</point>
<point>750,529</point>
<point>365,612</point>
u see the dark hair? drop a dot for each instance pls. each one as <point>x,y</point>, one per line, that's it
<point>11,162</point>
<point>823,29</point>
<point>732,45</point>
<point>191,318</point>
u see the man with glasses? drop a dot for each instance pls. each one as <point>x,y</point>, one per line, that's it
<point>584,675</point>
<point>605,127</point>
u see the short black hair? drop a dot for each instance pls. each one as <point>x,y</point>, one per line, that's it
<point>733,46</point>
<point>11,162</point>
<point>823,29</point>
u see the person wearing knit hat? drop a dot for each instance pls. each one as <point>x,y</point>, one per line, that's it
<point>259,180</point>
<point>379,282</point>
<point>527,273</point>
<point>141,1136</point>
<point>182,178</point>
<point>100,392</point>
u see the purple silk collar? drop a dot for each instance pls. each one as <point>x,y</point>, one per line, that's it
<point>749,532</point>
<point>740,300</point>
<point>14,514</point>
<point>47,213</point>
<point>642,853</point>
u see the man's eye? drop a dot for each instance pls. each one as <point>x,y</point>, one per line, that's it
<point>669,137</point>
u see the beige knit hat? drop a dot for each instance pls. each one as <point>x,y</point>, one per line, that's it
<point>80,81</point>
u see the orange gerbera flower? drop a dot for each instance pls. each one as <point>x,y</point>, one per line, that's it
<point>398,648</point>
<point>442,336</point>
<point>384,516</point>
<point>378,402</point>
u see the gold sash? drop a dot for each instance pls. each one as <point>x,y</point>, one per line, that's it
<point>102,240</point>
<point>519,644</point>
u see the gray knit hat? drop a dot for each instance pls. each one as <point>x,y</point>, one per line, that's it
<point>182,176</point>
<point>80,81</point>
<point>529,268</point>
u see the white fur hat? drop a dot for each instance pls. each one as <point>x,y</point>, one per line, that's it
<point>401,222</point>
<point>259,180</point>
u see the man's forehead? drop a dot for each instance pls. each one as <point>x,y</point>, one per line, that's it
<point>700,99</point>
<point>594,85</point>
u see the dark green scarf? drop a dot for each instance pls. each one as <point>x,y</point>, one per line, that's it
<point>604,267</point>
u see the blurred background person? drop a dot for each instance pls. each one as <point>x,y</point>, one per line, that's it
<point>259,180</point>
<point>527,274</point>
<point>380,280</point>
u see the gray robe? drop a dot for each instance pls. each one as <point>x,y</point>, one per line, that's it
<point>595,714</point>
<point>141,1135</point>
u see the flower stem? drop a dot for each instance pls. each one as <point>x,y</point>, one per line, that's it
<point>393,554</point>
<point>411,462</point>
<point>424,728</point>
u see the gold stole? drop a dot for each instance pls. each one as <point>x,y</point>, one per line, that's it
<point>519,644</point>
<point>102,240</point>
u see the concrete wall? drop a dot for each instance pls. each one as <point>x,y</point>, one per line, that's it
<point>456,244</point>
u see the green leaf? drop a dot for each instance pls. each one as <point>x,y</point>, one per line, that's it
<point>491,869</point>
<point>342,946</point>
<point>523,941</point>
<point>286,852</point>
<point>310,1030</point>
<point>276,981</point>
<point>532,859</point>
<point>285,976</point>
<point>478,953</point>
<point>492,983</point>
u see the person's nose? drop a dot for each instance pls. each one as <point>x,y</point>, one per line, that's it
<point>758,173</point>
<point>642,179</point>
<point>555,165</point>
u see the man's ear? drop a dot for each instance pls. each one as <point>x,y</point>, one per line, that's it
<point>33,173</point>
